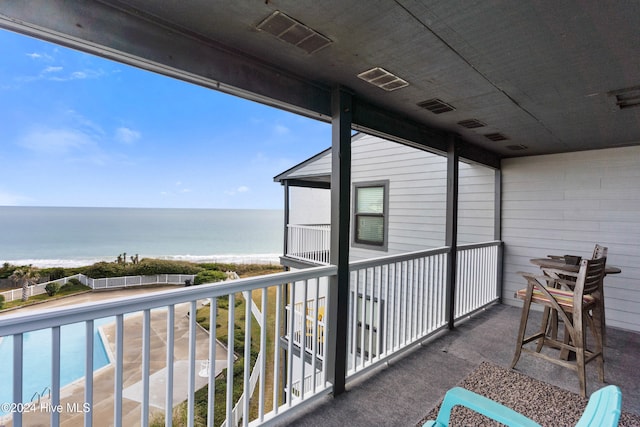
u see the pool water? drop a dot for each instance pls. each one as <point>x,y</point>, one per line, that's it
<point>37,359</point>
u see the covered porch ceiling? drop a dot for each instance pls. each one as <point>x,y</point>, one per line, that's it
<point>506,78</point>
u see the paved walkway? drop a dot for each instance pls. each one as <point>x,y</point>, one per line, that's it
<point>103,392</point>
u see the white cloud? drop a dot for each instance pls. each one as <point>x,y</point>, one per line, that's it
<point>54,74</point>
<point>36,55</point>
<point>241,189</point>
<point>52,70</point>
<point>55,141</point>
<point>65,144</point>
<point>281,130</point>
<point>77,75</point>
<point>126,135</point>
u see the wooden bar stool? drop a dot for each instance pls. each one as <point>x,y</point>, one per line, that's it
<point>574,308</point>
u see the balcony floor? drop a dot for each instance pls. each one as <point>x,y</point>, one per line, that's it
<point>402,393</point>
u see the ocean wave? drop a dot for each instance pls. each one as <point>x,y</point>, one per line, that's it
<point>223,259</point>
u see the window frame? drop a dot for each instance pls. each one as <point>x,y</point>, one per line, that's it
<point>366,244</point>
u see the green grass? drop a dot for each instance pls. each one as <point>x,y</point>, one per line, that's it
<point>202,317</point>
<point>66,290</point>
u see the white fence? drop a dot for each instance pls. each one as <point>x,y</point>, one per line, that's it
<point>104,283</point>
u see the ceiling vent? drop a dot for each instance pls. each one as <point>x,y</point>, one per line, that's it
<point>497,136</point>
<point>472,123</point>
<point>293,32</point>
<point>436,106</point>
<point>517,147</point>
<point>383,79</point>
<point>627,98</point>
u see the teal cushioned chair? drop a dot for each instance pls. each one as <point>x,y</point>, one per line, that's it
<point>603,409</point>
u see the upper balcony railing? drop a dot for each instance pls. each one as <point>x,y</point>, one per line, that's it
<point>157,348</point>
<point>309,242</point>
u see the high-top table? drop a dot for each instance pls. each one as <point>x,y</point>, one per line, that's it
<point>559,264</point>
<point>554,267</point>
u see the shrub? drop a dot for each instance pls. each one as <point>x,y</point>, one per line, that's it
<point>146,267</point>
<point>72,283</point>
<point>101,270</point>
<point>52,288</point>
<point>55,273</point>
<point>209,276</point>
<point>1,301</point>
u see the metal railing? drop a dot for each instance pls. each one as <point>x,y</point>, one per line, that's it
<point>309,242</point>
<point>476,277</point>
<point>304,325</point>
<point>398,301</point>
<point>161,315</point>
<point>394,303</point>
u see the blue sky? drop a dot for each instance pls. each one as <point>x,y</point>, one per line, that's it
<point>79,130</point>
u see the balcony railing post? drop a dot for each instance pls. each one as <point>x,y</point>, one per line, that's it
<point>451,238</point>
<point>340,215</point>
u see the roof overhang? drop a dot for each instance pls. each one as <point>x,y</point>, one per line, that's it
<point>503,79</point>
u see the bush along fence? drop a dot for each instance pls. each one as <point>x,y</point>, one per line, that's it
<point>105,283</point>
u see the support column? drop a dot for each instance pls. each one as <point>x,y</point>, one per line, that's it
<point>451,236</point>
<point>497,228</point>
<point>338,299</point>
<point>285,245</point>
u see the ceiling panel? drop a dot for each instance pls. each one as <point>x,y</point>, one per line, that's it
<point>538,72</point>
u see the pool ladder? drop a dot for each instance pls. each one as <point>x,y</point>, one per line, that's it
<point>45,392</point>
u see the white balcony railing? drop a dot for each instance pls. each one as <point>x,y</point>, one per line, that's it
<point>476,277</point>
<point>394,303</point>
<point>304,325</point>
<point>154,325</point>
<point>309,242</point>
<point>398,301</point>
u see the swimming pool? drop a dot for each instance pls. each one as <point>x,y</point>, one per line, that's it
<point>37,359</point>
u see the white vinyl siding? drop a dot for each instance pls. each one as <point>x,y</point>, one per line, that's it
<point>565,204</point>
<point>417,194</point>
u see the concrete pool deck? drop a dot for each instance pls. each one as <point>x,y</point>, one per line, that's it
<point>72,396</point>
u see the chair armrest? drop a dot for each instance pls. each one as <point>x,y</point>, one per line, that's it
<point>539,277</point>
<point>487,407</point>
<point>555,256</point>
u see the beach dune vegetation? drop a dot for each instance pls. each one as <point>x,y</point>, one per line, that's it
<point>146,267</point>
<point>209,276</point>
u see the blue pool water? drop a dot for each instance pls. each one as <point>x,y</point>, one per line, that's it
<point>37,359</point>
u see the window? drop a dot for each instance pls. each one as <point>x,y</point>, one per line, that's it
<point>370,212</point>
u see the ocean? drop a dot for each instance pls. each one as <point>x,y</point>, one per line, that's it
<point>72,236</point>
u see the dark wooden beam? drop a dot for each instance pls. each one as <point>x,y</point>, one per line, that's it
<point>340,231</point>
<point>451,233</point>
